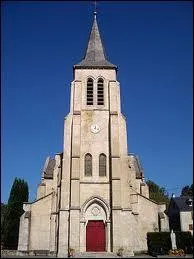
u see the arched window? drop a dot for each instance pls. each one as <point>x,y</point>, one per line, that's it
<point>90,92</point>
<point>102,165</point>
<point>88,165</point>
<point>100,92</point>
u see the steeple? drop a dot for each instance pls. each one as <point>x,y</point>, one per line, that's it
<point>95,55</point>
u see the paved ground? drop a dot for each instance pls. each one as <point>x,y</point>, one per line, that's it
<point>143,256</point>
<point>96,255</point>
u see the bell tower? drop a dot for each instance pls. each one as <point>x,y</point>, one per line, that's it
<point>95,151</point>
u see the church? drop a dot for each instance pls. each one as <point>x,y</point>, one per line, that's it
<point>92,196</point>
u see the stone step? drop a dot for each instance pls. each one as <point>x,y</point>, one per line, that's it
<point>96,255</point>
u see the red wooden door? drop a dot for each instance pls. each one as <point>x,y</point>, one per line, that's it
<point>95,236</point>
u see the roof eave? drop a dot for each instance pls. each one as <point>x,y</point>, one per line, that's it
<point>94,67</point>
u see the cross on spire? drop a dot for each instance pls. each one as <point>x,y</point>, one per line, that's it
<point>95,54</point>
<point>95,11</point>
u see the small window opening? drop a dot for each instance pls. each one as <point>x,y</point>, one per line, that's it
<point>88,165</point>
<point>102,165</point>
<point>100,92</point>
<point>90,92</point>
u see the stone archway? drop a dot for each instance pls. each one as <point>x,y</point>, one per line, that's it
<point>95,210</point>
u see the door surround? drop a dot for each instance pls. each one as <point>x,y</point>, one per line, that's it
<point>95,208</point>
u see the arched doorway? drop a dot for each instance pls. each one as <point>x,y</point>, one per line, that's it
<point>95,226</point>
<point>95,236</point>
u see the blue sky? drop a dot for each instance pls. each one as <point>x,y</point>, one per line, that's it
<point>150,42</point>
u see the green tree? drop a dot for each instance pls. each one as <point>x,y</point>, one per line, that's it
<point>157,193</point>
<point>3,217</point>
<point>18,195</point>
<point>187,190</point>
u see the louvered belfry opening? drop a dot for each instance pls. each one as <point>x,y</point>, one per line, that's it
<point>100,92</point>
<point>88,165</point>
<point>90,92</point>
<point>102,165</point>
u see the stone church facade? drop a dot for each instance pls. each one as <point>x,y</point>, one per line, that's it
<point>92,196</point>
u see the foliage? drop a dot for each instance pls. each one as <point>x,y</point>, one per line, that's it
<point>176,252</point>
<point>3,217</point>
<point>162,241</point>
<point>120,251</point>
<point>157,193</point>
<point>18,195</point>
<point>71,252</point>
<point>187,190</point>
<point>184,241</point>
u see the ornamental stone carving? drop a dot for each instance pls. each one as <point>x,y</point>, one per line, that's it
<point>95,211</point>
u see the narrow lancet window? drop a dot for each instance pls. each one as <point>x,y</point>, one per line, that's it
<point>102,165</point>
<point>90,92</point>
<point>100,92</point>
<point>88,165</point>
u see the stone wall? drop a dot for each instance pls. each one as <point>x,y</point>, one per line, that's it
<point>185,220</point>
<point>40,224</point>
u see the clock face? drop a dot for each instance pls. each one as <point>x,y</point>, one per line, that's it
<point>95,128</point>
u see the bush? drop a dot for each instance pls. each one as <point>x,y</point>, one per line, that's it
<point>176,252</point>
<point>160,242</point>
<point>184,240</point>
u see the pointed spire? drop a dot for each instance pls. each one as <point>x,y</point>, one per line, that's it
<point>95,55</point>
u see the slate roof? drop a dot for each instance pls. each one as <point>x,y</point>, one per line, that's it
<point>49,168</point>
<point>95,54</point>
<point>182,203</point>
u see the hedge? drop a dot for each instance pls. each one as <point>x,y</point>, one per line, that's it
<point>162,241</point>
